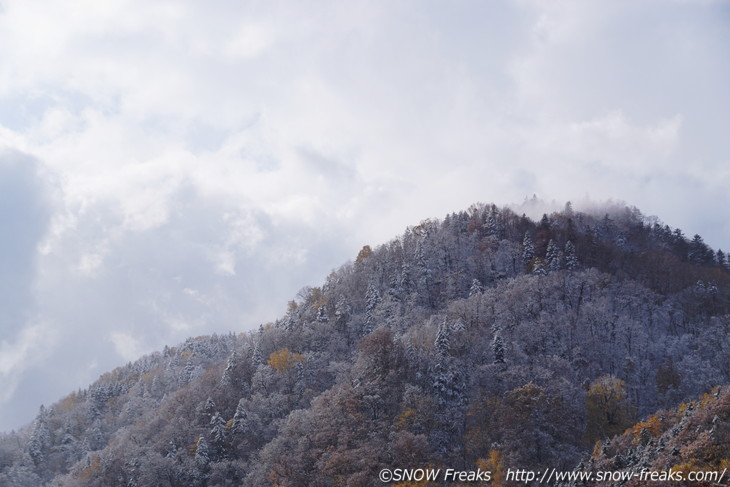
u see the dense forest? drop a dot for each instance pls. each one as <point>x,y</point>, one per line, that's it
<point>482,340</point>
<point>694,437</point>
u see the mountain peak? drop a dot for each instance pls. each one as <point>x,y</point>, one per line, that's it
<point>484,339</point>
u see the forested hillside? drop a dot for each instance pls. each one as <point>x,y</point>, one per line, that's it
<point>484,339</point>
<point>694,437</point>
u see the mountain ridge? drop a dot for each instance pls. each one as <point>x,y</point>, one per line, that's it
<point>463,341</point>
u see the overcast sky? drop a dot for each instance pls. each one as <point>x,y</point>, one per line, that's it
<point>177,168</point>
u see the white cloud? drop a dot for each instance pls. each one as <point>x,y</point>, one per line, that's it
<point>28,349</point>
<point>127,346</point>
<point>249,41</point>
<point>211,159</point>
<point>90,264</point>
<point>611,140</point>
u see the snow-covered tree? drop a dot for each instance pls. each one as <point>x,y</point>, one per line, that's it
<point>231,364</point>
<point>240,418</point>
<point>342,310</point>
<point>406,278</point>
<point>372,299</point>
<point>411,352</point>
<point>528,250</point>
<point>448,383</point>
<point>476,288</point>
<point>202,452</point>
<point>189,370</point>
<point>19,475</point>
<point>498,347</point>
<point>571,259</point>
<point>492,226</point>
<point>209,408</point>
<point>322,315</point>
<point>40,437</point>
<point>538,267</point>
<point>257,357</point>
<point>442,339</point>
<point>553,257</point>
<point>459,325</point>
<point>218,428</point>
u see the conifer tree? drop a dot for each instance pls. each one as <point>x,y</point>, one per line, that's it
<point>202,453</point>
<point>459,325</point>
<point>552,257</point>
<point>423,274</point>
<point>492,227</point>
<point>571,259</point>
<point>699,252</point>
<point>240,418</point>
<point>411,352</point>
<point>538,267</point>
<point>40,437</point>
<point>322,313</point>
<point>218,428</point>
<point>189,370</point>
<point>257,357</point>
<point>209,409</point>
<point>476,288</point>
<point>568,210</point>
<point>528,250</point>
<point>342,310</point>
<point>406,280</point>
<point>498,347</point>
<point>372,299</point>
<point>721,258</point>
<point>231,363</point>
<point>442,340</point>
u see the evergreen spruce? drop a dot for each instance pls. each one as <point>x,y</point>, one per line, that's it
<point>552,257</point>
<point>442,340</point>
<point>218,428</point>
<point>476,288</point>
<point>538,267</point>
<point>721,258</point>
<point>372,299</point>
<point>498,347</point>
<point>202,452</point>
<point>256,355</point>
<point>571,259</point>
<point>40,437</point>
<point>240,418</point>
<point>528,251</point>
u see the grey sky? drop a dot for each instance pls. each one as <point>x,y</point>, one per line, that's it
<point>174,168</point>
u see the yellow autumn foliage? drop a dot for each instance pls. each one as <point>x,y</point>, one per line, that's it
<point>652,424</point>
<point>495,465</point>
<point>283,360</point>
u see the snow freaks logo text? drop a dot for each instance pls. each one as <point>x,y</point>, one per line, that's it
<point>548,476</point>
<point>433,474</point>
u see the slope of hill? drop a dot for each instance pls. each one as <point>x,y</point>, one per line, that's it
<point>486,339</point>
<point>688,445</point>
